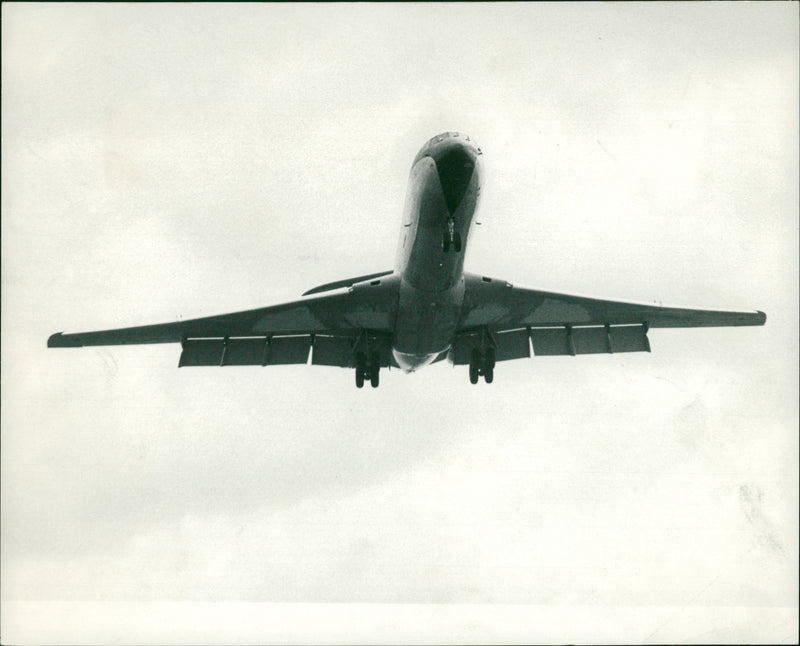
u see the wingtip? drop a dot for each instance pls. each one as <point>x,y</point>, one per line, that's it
<point>58,340</point>
<point>762,317</point>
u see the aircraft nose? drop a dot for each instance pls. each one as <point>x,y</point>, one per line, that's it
<point>456,159</point>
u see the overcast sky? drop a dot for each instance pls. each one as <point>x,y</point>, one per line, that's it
<point>169,161</point>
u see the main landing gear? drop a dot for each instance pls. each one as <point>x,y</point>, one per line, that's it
<point>451,237</point>
<point>482,363</point>
<point>368,369</point>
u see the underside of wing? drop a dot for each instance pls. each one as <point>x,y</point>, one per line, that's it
<point>562,324</point>
<point>335,326</point>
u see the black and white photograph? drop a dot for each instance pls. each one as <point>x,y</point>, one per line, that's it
<point>400,323</point>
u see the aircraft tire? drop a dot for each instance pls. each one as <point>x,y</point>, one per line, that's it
<point>490,358</point>
<point>488,375</point>
<point>361,369</point>
<point>457,242</point>
<point>473,367</point>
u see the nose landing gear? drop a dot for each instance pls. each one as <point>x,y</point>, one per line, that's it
<point>451,237</point>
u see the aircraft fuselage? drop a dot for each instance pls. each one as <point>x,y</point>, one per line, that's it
<point>442,199</point>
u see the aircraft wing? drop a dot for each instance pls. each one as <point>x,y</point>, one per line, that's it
<point>563,324</point>
<point>332,324</point>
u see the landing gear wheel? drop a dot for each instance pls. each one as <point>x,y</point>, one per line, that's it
<point>457,242</point>
<point>473,367</point>
<point>488,366</point>
<point>445,242</point>
<point>375,370</point>
<point>361,369</point>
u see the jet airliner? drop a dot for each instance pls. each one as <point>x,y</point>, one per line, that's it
<point>424,310</point>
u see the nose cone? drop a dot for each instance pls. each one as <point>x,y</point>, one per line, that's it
<point>456,159</point>
<point>412,362</point>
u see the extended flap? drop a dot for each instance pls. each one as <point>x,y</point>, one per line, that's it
<point>251,351</point>
<point>332,351</point>
<point>589,340</point>
<point>507,345</point>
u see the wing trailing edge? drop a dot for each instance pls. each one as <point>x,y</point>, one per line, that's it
<point>565,340</point>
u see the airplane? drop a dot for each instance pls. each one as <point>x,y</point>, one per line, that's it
<point>426,309</point>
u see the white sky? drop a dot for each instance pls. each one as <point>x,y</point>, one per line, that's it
<point>167,161</point>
